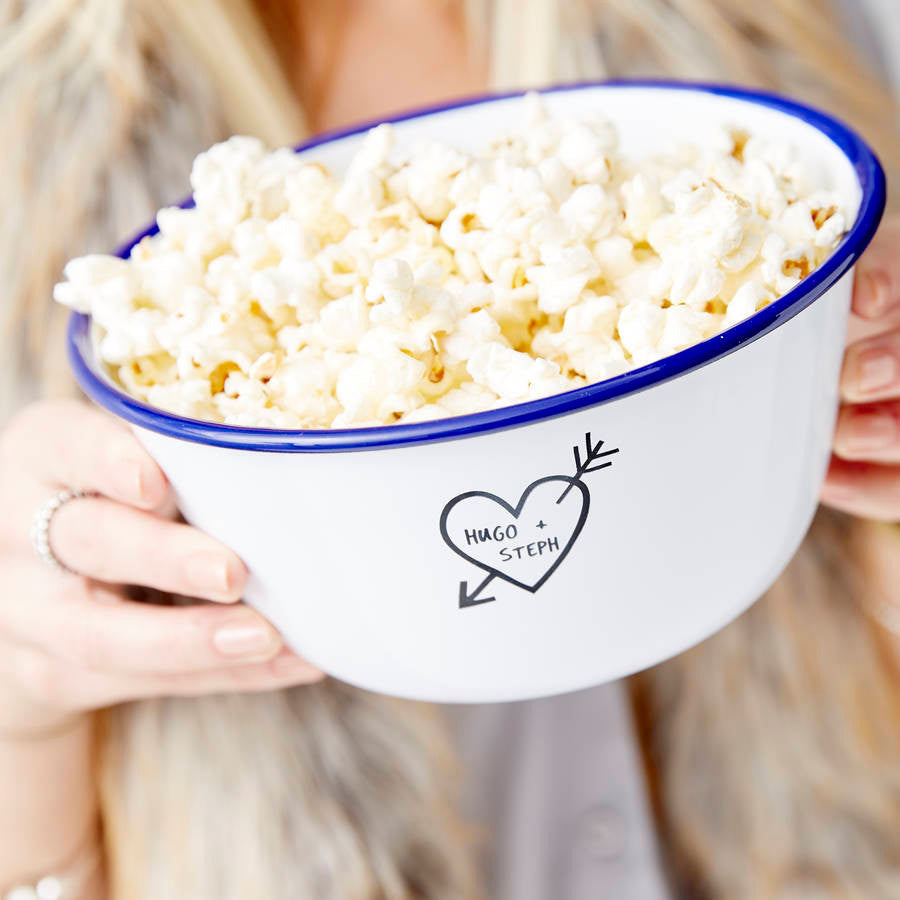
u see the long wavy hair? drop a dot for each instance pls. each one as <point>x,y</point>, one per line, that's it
<point>773,749</point>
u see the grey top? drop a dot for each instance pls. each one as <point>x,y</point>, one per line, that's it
<point>557,790</point>
<point>556,784</point>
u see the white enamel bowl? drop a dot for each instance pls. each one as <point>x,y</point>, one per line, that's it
<point>466,559</point>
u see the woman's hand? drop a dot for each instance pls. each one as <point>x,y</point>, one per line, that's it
<point>864,476</point>
<point>71,643</point>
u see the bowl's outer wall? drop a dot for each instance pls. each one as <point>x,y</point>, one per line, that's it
<point>714,485</point>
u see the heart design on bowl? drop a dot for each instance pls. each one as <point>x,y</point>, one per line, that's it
<point>522,544</point>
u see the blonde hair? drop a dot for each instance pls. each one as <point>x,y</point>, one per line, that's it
<point>329,791</point>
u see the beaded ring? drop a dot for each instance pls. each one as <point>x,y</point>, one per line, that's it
<point>40,526</point>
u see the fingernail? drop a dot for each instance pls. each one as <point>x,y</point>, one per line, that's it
<point>129,480</point>
<point>246,636</point>
<point>876,371</point>
<point>290,664</point>
<point>870,431</point>
<point>207,571</point>
<point>878,289</point>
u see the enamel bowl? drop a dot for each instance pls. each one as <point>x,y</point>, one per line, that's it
<point>558,543</point>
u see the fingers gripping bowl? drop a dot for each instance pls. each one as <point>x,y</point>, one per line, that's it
<point>558,542</point>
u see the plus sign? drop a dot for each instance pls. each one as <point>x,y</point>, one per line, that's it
<point>542,524</point>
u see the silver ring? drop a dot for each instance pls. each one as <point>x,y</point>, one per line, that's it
<point>40,526</point>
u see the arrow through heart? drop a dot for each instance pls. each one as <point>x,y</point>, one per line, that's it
<point>522,544</point>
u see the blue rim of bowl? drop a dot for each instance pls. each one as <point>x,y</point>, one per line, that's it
<point>871,181</point>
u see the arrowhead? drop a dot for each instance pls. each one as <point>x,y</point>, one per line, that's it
<point>597,468</point>
<point>466,601</point>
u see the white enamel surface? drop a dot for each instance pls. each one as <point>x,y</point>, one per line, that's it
<point>711,492</point>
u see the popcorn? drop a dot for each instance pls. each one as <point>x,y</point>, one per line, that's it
<point>222,179</point>
<point>97,279</point>
<point>640,328</point>
<point>747,299</point>
<point>642,205</point>
<point>509,373</point>
<point>430,282</point>
<point>342,323</point>
<point>784,267</point>
<point>589,212</point>
<point>615,257</point>
<point>592,315</point>
<point>585,150</point>
<point>471,332</point>
<point>291,291</point>
<point>684,326</point>
<point>467,397</point>
<point>250,242</point>
<point>392,281</point>
<point>562,276</point>
<point>378,387</point>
